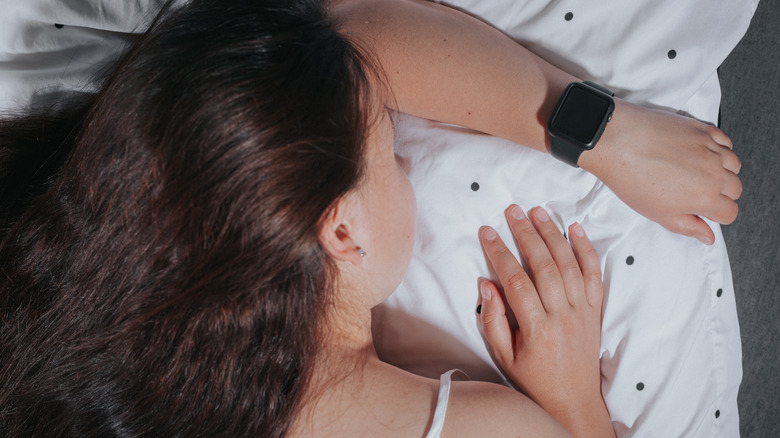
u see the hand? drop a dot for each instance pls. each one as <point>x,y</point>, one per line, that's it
<point>669,168</point>
<point>552,354</point>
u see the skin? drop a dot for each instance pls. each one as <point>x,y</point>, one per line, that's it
<point>354,393</point>
<point>557,306</point>
<point>670,168</point>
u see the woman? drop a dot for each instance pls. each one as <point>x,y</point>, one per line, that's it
<point>196,250</point>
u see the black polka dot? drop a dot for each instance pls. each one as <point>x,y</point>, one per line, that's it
<point>568,16</point>
<point>474,186</point>
<point>717,414</point>
<point>672,54</point>
<point>58,25</point>
<point>630,260</point>
<point>719,293</point>
<point>640,386</point>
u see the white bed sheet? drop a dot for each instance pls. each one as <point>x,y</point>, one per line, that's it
<point>49,47</point>
<point>670,324</point>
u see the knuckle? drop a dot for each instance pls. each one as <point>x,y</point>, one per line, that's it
<point>505,356</point>
<point>588,252</point>
<point>525,230</point>
<point>546,267</point>
<point>714,165</point>
<point>593,278</point>
<point>518,281</point>
<point>706,199</point>
<point>570,266</point>
<point>499,252</point>
<point>488,318</point>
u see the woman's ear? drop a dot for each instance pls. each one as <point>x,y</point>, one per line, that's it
<point>337,234</point>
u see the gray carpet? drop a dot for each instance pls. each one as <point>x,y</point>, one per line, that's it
<point>750,114</point>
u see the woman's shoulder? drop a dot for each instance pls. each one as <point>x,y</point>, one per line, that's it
<point>377,400</point>
<point>488,409</point>
<point>386,401</point>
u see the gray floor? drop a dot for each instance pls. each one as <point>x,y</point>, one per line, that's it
<point>750,114</point>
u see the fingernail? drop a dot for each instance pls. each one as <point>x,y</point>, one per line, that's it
<point>516,212</point>
<point>705,240</point>
<point>542,215</point>
<point>577,229</point>
<point>485,292</point>
<point>490,234</point>
<point>479,309</point>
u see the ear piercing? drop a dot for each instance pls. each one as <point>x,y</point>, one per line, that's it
<point>361,252</point>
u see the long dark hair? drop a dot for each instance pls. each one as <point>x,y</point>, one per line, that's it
<point>160,268</point>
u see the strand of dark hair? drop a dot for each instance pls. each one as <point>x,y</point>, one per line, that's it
<point>161,268</point>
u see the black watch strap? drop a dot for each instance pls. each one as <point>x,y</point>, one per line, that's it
<point>565,151</point>
<point>604,90</point>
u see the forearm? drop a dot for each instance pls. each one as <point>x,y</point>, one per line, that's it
<point>445,65</point>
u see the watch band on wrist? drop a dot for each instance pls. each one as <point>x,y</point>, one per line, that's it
<point>579,119</point>
<point>604,90</point>
<point>565,151</point>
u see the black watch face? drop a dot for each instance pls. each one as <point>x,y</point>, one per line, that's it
<point>581,115</point>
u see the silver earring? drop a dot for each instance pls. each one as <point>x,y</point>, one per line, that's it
<point>361,252</point>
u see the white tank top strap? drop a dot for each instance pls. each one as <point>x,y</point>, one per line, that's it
<point>445,382</point>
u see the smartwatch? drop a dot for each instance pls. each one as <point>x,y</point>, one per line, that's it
<point>579,119</point>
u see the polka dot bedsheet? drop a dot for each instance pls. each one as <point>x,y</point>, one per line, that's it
<point>670,355</point>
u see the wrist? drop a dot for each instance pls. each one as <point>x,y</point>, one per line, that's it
<point>579,120</point>
<point>607,154</point>
<point>591,421</point>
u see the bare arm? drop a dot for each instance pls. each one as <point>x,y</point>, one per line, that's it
<point>448,66</point>
<point>445,65</point>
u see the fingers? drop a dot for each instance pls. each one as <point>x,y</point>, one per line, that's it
<point>718,195</point>
<point>495,324</point>
<point>721,206</point>
<point>544,270</point>
<point>732,186</point>
<point>561,251</point>
<point>555,274</point>
<point>689,225</point>
<point>519,290</point>
<point>589,264</point>
<point>721,138</point>
<point>721,209</point>
<point>564,289</point>
<point>730,160</point>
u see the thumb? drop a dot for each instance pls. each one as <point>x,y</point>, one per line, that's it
<point>495,324</point>
<point>689,225</point>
